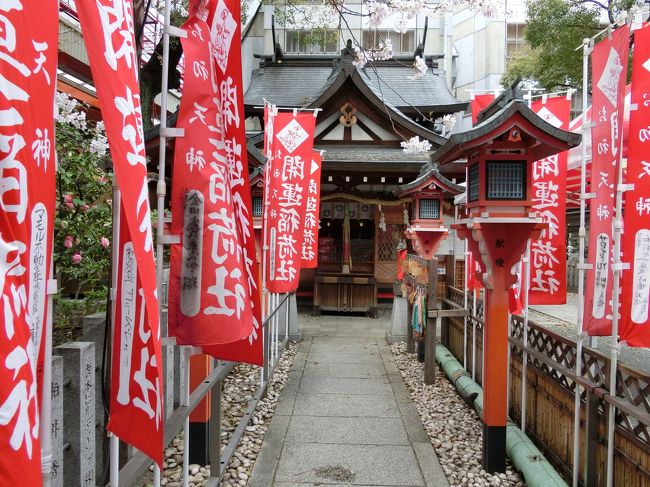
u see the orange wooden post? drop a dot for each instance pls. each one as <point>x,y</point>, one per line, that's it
<point>200,368</point>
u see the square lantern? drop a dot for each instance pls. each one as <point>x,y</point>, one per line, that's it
<point>426,231</point>
<point>257,196</point>
<point>498,181</point>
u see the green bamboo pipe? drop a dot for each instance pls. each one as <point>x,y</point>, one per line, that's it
<point>523,454</point>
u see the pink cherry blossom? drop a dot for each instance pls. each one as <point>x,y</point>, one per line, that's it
<point>76,258</point>
<point>85,207</point>
<point>67,242</point>
<point>67,198</point>
<point>105,242</point>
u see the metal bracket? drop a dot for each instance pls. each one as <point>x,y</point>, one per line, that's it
<point>167,239</point>
<point>172,30</point>
<point>171,132</point>
<point>168,340</point>
<point>584,267</point>
<point>113,293</point>
<point>588,196</point>
<point>620,266</point>
<point>622,188</point>
<point>52,286</point>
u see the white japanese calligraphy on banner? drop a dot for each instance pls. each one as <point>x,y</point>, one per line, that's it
<point>28,43</point>
<point>609,65</point>
<point>107,27</point>
<point>547,283</point>
<point>310,234</point>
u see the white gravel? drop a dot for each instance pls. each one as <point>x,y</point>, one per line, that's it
<point>238,389</point>
<point>454,429</point>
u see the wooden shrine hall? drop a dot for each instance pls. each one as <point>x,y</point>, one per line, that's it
<point>365,114</point>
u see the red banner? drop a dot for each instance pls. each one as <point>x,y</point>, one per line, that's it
<point>609,63</point>
<point>286,194</point>
<point>224,19</point>
<point>28,57</point>
<point>208,272</point>
<point>473,267</point>
<point>635,295</point>
<point>547,276</point>
<point>107,27</point>
<point>478,103</point>
<point>136,403</point>
<point>310,239</point>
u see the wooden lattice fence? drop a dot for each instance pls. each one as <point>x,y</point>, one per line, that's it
<point>551,382</point>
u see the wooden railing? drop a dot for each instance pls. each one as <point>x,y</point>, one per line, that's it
<point>551,382</point>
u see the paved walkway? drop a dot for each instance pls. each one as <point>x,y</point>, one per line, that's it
<point>345,416</point>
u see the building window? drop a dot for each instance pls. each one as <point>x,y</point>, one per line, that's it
<point>314,41</point>
<point>515,41</point>
<point>506,180</point>
<point>472,184</point>
<point>257,206</point>
<point>402,43</point>
<point>429,209</point>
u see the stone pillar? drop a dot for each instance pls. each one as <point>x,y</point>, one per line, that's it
<point>93,330</point>
<point>57,421</point>
<point>79,407</point>
<point>295,333</point>
<point>398,321</point>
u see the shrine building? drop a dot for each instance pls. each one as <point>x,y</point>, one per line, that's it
<point>365,113</point>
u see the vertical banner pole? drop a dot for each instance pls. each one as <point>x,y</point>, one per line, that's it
<point>617,267</point>
<point>114,441</point>
<point>525,284</point>
<point>465,290</point>
<point>46,406</point>
<point>586,49</point>
<point>474,335</point>
<point>114,451</point>
<point>161,188</point>
<point>508,367</point>
<point>187,354</point>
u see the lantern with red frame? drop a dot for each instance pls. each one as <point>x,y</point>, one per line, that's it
<point>427,230</point>
<point>500,152</point>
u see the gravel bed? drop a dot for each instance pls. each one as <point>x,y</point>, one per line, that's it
<point>454,429</point>
<point>238,389</point>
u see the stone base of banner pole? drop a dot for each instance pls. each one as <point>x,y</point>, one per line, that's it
<point>398,322</point>
<point>295,333</point>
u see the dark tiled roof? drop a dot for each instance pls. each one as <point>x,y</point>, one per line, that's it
<point>286,86</point>
<point>392,83</point>
<point>299,85</point>
<point>430,172</point>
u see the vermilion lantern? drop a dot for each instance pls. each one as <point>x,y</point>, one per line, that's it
<point>426,230</point>
<point>500,152</point>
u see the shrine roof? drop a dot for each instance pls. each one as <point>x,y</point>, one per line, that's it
<point>299,81</point>
<point>430,174</point>
<point>514,113</point>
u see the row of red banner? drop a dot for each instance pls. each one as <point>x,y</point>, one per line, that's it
<point>547,281</point>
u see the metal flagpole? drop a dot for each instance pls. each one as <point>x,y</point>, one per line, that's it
<point>474,335</point>
<point>161,190</point>
<point>587,46</point>
<point>525,284</point>
<point>185,401</point>
<point>617,268</point>
<point>114,441</point>
<point>465,291</point>
<point>46,406</point>
<point>266,298</point>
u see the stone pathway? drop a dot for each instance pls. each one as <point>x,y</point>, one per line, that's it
<point>345,416</point>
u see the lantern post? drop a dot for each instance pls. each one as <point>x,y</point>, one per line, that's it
<point>498,155</point>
